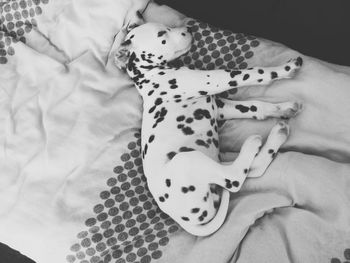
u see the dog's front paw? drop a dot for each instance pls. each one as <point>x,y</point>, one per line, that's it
<point>292,67</point>
<point>287,110</point>
<point>252,144</point>
<point>280,132</point>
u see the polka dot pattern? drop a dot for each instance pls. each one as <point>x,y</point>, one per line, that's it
<point>127,225</point>
<point>346,256</point>
<point>217,49</point>
<point>17,17</point>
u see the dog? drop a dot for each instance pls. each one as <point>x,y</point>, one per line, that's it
<point>180,142</point>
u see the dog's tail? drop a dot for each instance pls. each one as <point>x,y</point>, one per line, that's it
<point>215,223</point>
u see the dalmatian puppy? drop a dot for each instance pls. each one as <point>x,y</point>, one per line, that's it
<point>180,147</point>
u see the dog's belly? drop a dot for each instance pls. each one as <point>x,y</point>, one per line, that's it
<point>172,128</point>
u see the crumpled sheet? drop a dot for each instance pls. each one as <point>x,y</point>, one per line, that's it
<point>69,154</point>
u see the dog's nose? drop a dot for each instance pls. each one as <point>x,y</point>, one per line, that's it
<point>189,29</point>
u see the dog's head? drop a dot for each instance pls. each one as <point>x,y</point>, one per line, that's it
<point>154,44</point>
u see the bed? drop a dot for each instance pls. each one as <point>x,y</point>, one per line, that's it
<point>72,187</point>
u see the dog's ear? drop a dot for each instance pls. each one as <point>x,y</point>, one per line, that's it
<point>122,54</point>
<point>136,20</point>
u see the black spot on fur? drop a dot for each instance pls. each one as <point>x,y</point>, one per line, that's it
<point>195,210</point>
<point>150,93</point>
<point>210,133</point>
<point>159,116</point>
<point>246,76</point>
<point>152,109</point>
<point>161,199</point>
<point>235,183</point>
<point>219,103</point>
<point>184,190</point>
<point>177,96</point>
<point>145,149</point>
<point>185,218</point>
<point>161,33</point>
<point>158,101</point>
<point>192,188</point>
<point>287,68</point>
<point>168,182</point>
<point>261,71</point>
<point>235,73</point>
<point>299,61</point>
<point>245,171</point>
<point>163,42</point>
<point>186,149</point>
<point>171,155</point>
<point>274,75</point>
<point>271,151</point>
<point>151,138</point>
<point>253,108</point>
<point>189,120</point>
<point>200,114</point>
<point>161,72</point>
<point>202,143</point>
<point>203,93</point>
<point>233,83</point>
<point>242,108</point>
<point>166,196</point>
<point>228,184</point>
<point>187,131</point>
<point>180,118</point>
<point>147,67</point>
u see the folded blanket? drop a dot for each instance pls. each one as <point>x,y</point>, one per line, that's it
<point>72,187</point>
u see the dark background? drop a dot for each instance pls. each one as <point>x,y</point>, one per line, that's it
<point>318,28</point>
<point>8,255</point>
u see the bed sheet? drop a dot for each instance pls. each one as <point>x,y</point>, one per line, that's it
<point>72,187</point>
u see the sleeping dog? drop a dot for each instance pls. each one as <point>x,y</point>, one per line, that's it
<point>180,147</point>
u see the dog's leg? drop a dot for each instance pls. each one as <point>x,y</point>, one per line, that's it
<point>278,135</point>
<point>186,83</point>
<point>229,109</point>
<point>198,169</point>
<point>186,192</point>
